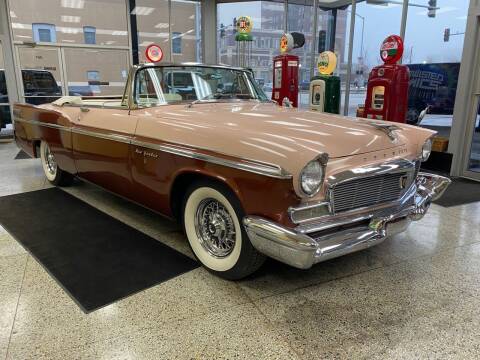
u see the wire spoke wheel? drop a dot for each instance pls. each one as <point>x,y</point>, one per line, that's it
<point>51,164</point>
<point>215,228</point>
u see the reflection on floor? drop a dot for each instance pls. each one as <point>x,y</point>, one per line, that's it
<point>414,296</point>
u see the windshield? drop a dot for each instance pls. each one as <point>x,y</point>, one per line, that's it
<point>175,84</point>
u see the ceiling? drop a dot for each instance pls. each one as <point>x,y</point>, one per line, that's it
<point>326,4</point>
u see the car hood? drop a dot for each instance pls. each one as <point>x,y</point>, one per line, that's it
<point>268,133</point>
<point>278,131</point>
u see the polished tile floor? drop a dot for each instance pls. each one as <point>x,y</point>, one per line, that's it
<point>415,296</point>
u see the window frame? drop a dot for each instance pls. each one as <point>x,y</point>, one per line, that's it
<point>36,27</point>
<point>176,41</point>
<point>246,74</point>
<point>90,30</point>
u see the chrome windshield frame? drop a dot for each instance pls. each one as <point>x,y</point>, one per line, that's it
<point>129,93</point>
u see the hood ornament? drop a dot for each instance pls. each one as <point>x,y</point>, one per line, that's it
<point>388,129</point>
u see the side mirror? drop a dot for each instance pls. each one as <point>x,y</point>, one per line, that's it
<point>423,113</point>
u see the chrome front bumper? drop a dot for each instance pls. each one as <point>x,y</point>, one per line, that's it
<point>336,235</point>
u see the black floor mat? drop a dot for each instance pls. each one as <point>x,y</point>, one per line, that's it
<point>22,155</point>
<point>96,258</point>
<point>461,191</point>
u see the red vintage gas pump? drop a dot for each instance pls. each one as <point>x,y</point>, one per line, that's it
<point>387,91</point>
<point>285,79</point>
<point>285,70</point>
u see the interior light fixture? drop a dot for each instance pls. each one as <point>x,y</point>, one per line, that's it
<point>142,10</point>
<point>70,19</point>
<point>73,4</point>
<point>69,30</point>
<point>161,26</point>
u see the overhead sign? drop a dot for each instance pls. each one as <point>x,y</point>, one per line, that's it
<point>154,53</point>
<point>327,62</point>
<point>392,49</point>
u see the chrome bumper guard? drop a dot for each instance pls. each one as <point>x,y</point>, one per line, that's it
<point>336,235</point>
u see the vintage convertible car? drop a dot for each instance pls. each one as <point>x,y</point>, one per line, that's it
<point>246,177</point>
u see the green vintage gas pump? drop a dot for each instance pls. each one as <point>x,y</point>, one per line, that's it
<point>325,88</point>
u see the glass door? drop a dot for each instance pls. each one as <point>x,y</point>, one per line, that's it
<point>42,78</point>
<point>473,154</point>
<point>5,118</point>
<point>49,72</point>
<point>95,72</point>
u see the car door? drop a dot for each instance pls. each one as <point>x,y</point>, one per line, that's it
<point>101,145</point>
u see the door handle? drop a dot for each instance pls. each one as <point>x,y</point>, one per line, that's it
<point>84,109</point>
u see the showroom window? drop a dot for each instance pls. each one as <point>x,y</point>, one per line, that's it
<point>89,34</point>
<point>64,21</point>
<point>268,27</point>
<point>186,20</point>
<point>152,26</point>
<point>44,33</point>
<point>181,37</point>
<point>373,23</point>
<point>177,43</point>
<point>434,62</point>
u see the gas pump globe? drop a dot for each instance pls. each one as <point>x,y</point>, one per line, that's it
<point>324,92</point>
<point>244,41</point>
<point>387,90</point>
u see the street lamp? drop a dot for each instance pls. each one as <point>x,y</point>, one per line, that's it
<point>363,28</point>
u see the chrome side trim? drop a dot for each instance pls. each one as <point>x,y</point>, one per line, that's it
<point>246,165</point>
<point>113,137</point>
<point>260,168</point>
<point>33,122</point>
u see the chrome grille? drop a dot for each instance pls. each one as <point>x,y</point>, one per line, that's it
<point>368,191</point>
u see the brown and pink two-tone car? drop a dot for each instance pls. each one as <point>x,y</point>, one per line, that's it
<point>246,177</point>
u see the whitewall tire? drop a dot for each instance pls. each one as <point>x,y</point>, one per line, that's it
<point>212,221</point>
<point>53,173</point>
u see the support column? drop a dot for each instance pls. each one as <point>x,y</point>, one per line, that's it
<point>133,31</point>
<point>209,31</point>
<point>350,53</point>
<point>403,24</point>
<point>463,111</point>
<point>313,60</point>
<point>8,51</point>
<point>332,30</point>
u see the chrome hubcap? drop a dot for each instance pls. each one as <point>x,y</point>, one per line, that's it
<point>50,161</point>
<point>215,228</point>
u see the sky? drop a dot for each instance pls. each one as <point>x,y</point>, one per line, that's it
<point>423,39</point>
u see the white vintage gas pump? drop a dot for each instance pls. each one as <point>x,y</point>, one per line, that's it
<point>317,95</point>
<point>323,88</point>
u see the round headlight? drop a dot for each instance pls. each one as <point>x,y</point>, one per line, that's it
<point>311,178</point>
<point>426,149</point>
